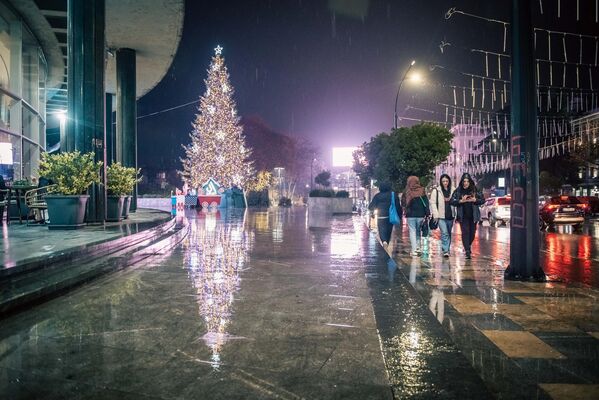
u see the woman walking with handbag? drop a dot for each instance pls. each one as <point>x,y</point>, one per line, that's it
<point>382,202</point>
<point>415,202</point>
<point>467,199</point>
<point>443,212</point>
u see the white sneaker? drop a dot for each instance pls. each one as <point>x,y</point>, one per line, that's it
<point>414,254</point>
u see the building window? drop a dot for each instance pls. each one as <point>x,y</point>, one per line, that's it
<point>22,99</point>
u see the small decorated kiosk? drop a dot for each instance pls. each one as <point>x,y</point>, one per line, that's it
<point>211,194</point>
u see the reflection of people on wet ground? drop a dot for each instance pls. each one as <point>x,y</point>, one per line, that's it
<point>415,202</point>
<point>437,304</point>
<point>467,199</point>
<point>443,211</point>
<point>381,203</point>
<point>391,268</point>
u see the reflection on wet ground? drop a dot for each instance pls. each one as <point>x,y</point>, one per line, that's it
<point>526,340</point>
<point>279,304</point>
<point>251,306</point>
<point>566,255</point>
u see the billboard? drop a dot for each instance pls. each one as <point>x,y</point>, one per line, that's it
<point>343,156</point>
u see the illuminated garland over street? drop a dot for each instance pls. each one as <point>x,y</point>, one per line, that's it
<point>217,149</point>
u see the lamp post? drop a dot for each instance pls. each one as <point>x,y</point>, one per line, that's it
<point>311,173</point>
<point>399,88</point>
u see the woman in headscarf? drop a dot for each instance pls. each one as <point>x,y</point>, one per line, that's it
<point>443,212</point>
<point>415,203</point>
<point>381,202</point>
<point>467,199</point>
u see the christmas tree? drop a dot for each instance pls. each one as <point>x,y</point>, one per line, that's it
<point>217,149</point>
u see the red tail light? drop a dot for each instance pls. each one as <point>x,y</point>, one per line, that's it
<point>552,206</point>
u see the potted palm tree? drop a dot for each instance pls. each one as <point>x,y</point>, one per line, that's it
<point>73,173</point>
<point>117,186</point>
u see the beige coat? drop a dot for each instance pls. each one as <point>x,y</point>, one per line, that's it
<point>437,203</point>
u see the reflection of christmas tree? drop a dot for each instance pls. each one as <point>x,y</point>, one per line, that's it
<point>217,147</point>
<point>215,254</point>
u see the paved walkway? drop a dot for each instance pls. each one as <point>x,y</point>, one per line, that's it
<point>526,340</point>
<point>22,243</point>
<point>254,307</point>
<point>259,305</point>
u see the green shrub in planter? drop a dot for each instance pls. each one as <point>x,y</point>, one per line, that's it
<point>344,194</point>
<point>284,202</point>
<point>120,182</point>
<point>322,193</point>
<point>73,173</point>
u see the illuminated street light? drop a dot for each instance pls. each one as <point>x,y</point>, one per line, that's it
<point>417,76</point>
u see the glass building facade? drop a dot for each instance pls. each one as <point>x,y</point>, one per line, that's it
<point>23,73</point>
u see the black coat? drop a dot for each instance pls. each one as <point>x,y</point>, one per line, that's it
<point>455,201</point>
<point>381,202</point>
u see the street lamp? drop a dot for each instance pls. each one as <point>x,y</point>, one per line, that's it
<point>416,78</point>
<point>311,172</point>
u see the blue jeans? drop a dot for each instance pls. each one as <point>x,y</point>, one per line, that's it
<point>445,225</point>
<point>414,228</point>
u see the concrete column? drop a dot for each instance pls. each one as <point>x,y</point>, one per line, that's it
<point>110,132</point>
<point>524,227</point>
<point>126,112</point>
<point>85,122</point>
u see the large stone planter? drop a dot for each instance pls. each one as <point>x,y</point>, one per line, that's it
<point>330,205</point>
<point>114,208</point>
<point>126,207</point>
<point>66,212</point>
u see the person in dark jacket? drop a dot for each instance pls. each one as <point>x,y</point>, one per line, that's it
<point>416,204</point>
<point>381,203</point>
<point>467,200</point>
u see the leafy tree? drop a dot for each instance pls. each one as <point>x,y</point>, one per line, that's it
<point>405,151</point>
<point>548,183</point>
<point>323,179</point>
<point>261,181</point>
<point>292,153</point>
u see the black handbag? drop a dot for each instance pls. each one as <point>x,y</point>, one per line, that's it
<point>433,223</point>
<point>424,229</point>
<point>428,223</point>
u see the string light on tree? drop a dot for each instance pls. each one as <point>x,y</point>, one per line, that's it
<point>217,149</point>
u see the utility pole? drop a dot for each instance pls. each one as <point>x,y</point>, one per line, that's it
<point>524,227</point>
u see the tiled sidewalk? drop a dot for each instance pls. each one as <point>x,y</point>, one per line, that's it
<point>526,340</point>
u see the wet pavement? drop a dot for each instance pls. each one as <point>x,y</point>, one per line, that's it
<point>273,304</point>
<point>526,340</point>
<point>253,307</point>
<point>21,244</point>
<point>566,255</point>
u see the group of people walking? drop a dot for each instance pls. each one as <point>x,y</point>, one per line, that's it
<point>445,205</point>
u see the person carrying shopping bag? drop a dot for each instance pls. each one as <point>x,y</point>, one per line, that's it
<point>382,202</point>
<point>415,202</point>
<point>467,200</point>
<point>443,212</point>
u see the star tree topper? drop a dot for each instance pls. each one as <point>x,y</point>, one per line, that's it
<point>218,50</point>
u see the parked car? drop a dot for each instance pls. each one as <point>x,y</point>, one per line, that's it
<point>543,199</point>
<point>562,210</point>
<point>496,210</point>
<point>591,204</point>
